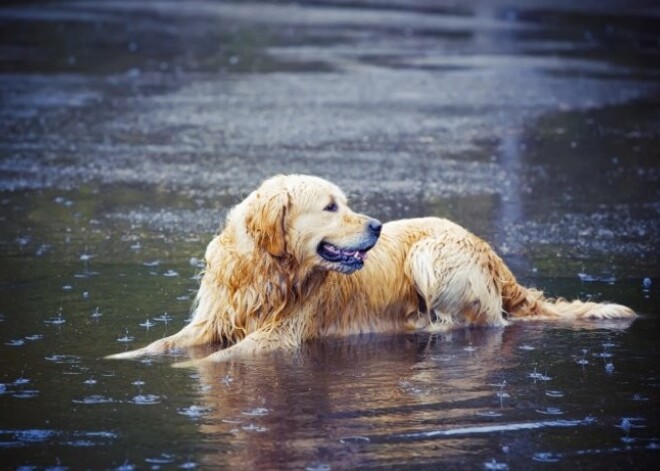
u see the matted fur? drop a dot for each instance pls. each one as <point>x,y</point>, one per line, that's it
<point>266,286</point>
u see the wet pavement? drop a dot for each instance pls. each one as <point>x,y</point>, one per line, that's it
<point>130,128</point>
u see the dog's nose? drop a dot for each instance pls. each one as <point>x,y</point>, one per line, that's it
<point>375,226</point>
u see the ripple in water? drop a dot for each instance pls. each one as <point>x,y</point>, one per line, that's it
<point>145,399</point>
<point>495,465</point>
<point>254,428</point>
<point>639,397</point>
<point>63,358</point>
<point>318,467</point>
<point>165,317</point>
<point>147,324</point>
<point>164,458</point>
<point>354,439</point>
<point>33,435</point>
<point>93,399</point>
<point>126,338</point>
<point>193,411</point>
<point>535,375</point>
<point>554,393</point>
<point>545,457</point>
<point>256,412</point>
<point>489,413</point>
<point>550,411</point>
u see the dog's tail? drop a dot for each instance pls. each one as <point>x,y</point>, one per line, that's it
<point>528,303</point>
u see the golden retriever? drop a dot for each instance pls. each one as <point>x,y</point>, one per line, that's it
<point>294,262</point>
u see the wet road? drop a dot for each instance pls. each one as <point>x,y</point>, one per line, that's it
<point>128,129</point>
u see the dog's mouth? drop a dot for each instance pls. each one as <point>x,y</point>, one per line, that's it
<point>345,260</point>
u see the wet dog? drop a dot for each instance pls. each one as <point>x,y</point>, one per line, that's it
<point>294,263</point>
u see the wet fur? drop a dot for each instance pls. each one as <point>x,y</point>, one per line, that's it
<point>265,287</point>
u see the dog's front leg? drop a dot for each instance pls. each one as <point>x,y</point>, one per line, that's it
<point>257,342</point>
<point>195,333</point>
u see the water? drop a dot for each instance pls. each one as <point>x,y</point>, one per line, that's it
<point>129,129</point>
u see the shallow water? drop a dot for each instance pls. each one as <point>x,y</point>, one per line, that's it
<point>130,128</point>
<point>474,398</point>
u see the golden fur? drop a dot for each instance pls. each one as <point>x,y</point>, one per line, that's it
<point>267,285</point>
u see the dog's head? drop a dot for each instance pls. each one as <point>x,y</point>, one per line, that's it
<point>308,218</point>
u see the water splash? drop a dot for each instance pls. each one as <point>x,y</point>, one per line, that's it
<point>583,360</point>
<point>587,278</point>
<point>550,411</point>
<point>193,411</point>
<point>147,324</point>
<point>94,399</point>
<point>256,412</point>
<point>545,457</point>
<point>536,376</point>
<point>165,317</point>
<point>126,338</point>
<point>354,439</point>
<point>318,467</point>
<point>164,458</point>
<point>554,393</point>
<point>57,320</point>
<point>502,394</point>
<point>65,359</point>
<point>494,465</point>
<point>489,413</point>
<point>145,399</point>
<point>254,428</point>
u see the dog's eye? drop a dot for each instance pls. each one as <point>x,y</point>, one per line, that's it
<point>332,207</point>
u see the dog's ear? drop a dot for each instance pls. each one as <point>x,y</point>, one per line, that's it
<point>266,220</point>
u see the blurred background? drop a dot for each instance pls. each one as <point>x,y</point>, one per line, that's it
<point>533,123</point>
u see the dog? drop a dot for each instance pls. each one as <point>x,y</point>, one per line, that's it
<point>294,263</point>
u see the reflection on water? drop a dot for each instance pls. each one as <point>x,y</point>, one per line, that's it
<point>472,395</point>
<point>510,209</point>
